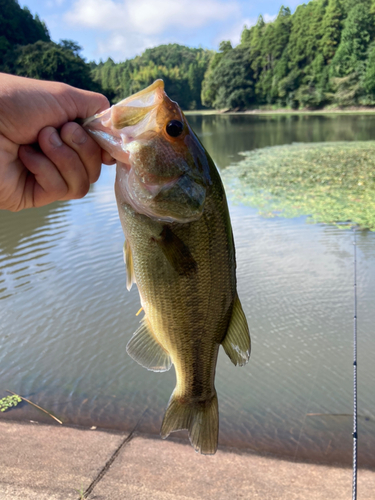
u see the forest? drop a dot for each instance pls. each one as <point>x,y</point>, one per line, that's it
<point>321,55</point>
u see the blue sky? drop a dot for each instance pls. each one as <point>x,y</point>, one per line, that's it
<point>122,29</point>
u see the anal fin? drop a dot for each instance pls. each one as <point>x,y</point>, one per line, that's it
<point>237,342</point>
<point>146,350</point>
<point>128,259</point>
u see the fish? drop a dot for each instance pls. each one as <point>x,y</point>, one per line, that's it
<point>179,251</point>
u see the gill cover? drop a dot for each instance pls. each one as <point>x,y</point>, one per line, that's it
<point>162,168</point>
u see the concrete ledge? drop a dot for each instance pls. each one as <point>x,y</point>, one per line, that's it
<point>51,462</point>
<point>54,462</point>
<point>166,470</point>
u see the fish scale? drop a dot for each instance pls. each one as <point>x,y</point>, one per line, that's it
<point>173,303</point>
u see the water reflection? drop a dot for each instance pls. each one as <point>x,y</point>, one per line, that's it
<point>22,226</point>
<point>63,337</point>
<point>27,239</point>
<point>226,135</point>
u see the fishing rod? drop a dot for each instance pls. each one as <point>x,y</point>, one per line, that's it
<point>355,430</point>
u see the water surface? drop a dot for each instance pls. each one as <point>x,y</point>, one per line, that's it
<point>66,315</point>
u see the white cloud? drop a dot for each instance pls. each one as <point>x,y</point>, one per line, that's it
<point>155,17</point>
<point>102,14</point>
<point>268,18</point>
<point>292,3</point>
<point>135,25</point>
<point>124,46</point>
<point>233,32</point>
<point>53,3</point>
<point>148,16</point>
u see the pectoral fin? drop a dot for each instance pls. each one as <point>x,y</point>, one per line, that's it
<point>128,259</point>
<point>146,350</point>
<point>237,339</point>
<point>176,252</point>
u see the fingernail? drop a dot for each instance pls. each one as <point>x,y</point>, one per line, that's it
<point>55,140</point>
<point>79,136</point>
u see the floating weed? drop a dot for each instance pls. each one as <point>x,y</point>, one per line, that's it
<point>14,399</point>
<point>9,401</point>
<point>331,182</point>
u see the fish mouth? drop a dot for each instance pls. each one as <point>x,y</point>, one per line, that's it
<point>132,110</point>
<point>131,119</point>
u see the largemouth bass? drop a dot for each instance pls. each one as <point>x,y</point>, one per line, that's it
<point>179,251</point>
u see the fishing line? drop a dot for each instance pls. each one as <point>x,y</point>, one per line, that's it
<point>355,432</point>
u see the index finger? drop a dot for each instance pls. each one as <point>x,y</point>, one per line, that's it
<point>87,103</point>
<point>87,149</point>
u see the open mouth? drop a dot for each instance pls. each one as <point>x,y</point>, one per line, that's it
<point>131,119</point>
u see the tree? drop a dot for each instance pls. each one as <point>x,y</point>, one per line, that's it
<point>181,68</point>
<point>272,50</point>
<point>369,75</point>
<point>331,27</point>
<point>348,67</point>
<point>324,52</point>
<point>51,61</point>
<point>356,36</point>
<point>231,80</point>
<point>18,27</point>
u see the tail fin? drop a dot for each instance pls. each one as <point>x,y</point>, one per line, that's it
<point>200,418</point>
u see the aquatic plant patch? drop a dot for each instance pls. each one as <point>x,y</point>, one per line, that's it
<point>331,182</point>
<point>9,401</point>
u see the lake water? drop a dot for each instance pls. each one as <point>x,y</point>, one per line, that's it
<point>66,315</point>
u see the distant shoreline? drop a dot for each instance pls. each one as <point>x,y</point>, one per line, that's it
<point>284,111</point>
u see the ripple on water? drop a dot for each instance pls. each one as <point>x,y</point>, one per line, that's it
<point>63,332</point>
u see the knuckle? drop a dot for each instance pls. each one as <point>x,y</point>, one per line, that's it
<point>93,168</point>
<point>49,140</point>
<point>94,176</point>
<point>45,133</point>
<point>62,88</point>
<point>67,129</point>
<point>82,189</point>
<point>58,191</point>
<point>61,191</point>
<point>74,135</point>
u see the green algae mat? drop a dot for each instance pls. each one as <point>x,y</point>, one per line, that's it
<point>330,182</point>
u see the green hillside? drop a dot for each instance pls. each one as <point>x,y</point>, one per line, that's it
<point>181,68</point>
<point>323,54</point>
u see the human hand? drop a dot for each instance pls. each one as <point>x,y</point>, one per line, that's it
<point>44,155</point>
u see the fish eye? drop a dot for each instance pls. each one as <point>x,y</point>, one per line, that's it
<point>174,128</point>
